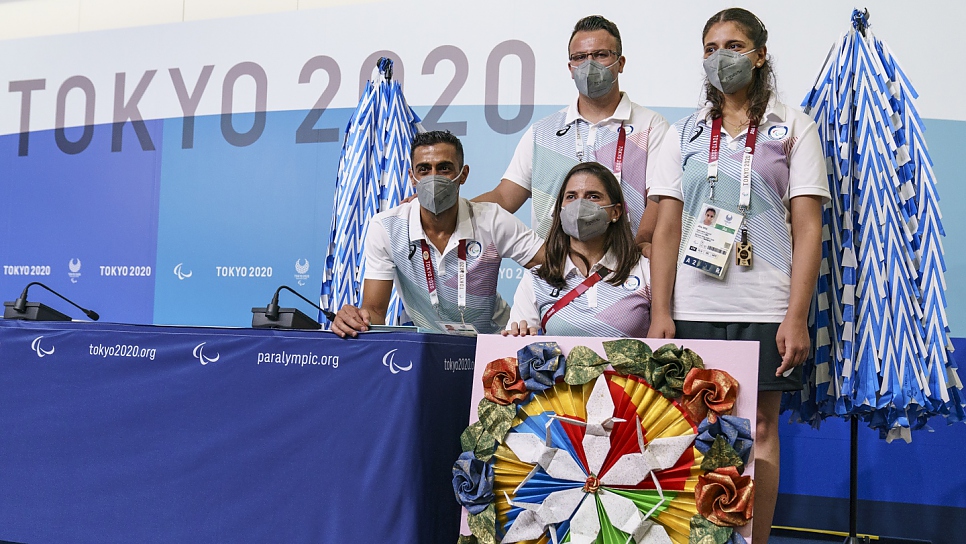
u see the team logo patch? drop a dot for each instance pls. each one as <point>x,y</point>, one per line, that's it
<point>473,249</point>
<point>632,283</point>
<point>778,132</point>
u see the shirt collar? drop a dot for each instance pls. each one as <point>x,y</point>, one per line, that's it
<point>464,227</point>
<point>608,261</point>
<point>775,112</point>
<point>621,114</point>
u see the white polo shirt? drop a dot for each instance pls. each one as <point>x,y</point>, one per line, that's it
<point>788,162</point>
<point>393,252</point>
<point>603,310</point>
<point>548,150</point>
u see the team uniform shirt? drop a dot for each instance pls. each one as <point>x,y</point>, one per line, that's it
<point>788,162</point>
<point>603,310</point>
<point>393,252</point>
<point>548,150</point>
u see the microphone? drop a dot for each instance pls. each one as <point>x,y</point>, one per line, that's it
<point>274,317</point>
<point>35,311</point>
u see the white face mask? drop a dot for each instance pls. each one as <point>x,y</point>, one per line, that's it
<point>584,220</point>
<point>729,71</point>
<point>438,193</point>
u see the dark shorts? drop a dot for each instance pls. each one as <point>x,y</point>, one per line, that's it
<point>764,333</point>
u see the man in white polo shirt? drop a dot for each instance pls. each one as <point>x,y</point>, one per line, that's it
<point>602,125</point>
<point>442,252</point>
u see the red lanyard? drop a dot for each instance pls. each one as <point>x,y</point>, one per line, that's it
<point>431,276</point>
<point>744,200</point>
<point>618,155</point>
<point>573,294</point>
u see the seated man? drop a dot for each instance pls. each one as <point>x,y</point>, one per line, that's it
<point>441,251</point>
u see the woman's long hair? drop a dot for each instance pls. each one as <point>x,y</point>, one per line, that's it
<point>762,81</point>
<point>618,237</point>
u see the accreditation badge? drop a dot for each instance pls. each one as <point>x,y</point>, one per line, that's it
<point>711,241</point>
<point>455,327</point>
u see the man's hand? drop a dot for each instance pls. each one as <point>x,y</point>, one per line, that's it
<point>793,344</point>
<point>350,320</point>
<point>520,329</point>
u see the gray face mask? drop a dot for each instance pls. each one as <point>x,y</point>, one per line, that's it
<point>584,220</point>
<point>729,71</point>
<point>593,79</point>
<point>438,193</point>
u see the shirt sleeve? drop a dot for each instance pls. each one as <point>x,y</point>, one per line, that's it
<point>520,169</point>
<point>513,239</point>
<point>379,264</point>
<point>666,177</point>
<point>807,172</point>
<point>524,303</point>
<point>659,128</point>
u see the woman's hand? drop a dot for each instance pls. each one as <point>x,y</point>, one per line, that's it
<point>520,329</point>
<point>661,327</point>
<point>793,344</point>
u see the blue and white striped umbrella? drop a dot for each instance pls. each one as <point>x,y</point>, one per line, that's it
<point>372,177</point>
<point>879,330</point>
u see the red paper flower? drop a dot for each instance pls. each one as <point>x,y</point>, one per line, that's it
<point>501,382</point>
<point>707,389</point>
<point>725,497</point>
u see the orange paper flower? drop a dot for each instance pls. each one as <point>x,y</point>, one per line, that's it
<point>709,393</point>
<point>725,497</point>
<point>502,383</point>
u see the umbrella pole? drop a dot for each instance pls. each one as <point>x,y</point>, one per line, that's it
<point>854,482</point>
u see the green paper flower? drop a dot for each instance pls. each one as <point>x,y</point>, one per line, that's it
<point>476,439</point>
<point>668,367</point>
<point>705,532</point>
<point>496,418</point>
<point>628,356</point>
<point>721,454</point>
<point>483,525</point>
<point>583,365</point>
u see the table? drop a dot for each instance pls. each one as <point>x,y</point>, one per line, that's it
<point>127,433</point>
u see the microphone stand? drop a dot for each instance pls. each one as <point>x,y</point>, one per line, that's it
<point>35,311</point>
<point>274,317</point>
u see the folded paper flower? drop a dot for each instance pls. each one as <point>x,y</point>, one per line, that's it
<point>720,455</point>
<point>502,383</point>
<point>541,363</point>
<point>725,497</point>
<point>609,460</point>
<point>736,430</point>
<point>479,441</point>
<point>473,482</point>
<point>668,368</point>
<point>583,365</point>
<point>483,525</point>
<point>705,532</point>
<point>628,356</point>
<point>709,393</point>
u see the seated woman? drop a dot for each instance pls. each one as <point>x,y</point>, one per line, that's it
<point>594,282</point>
